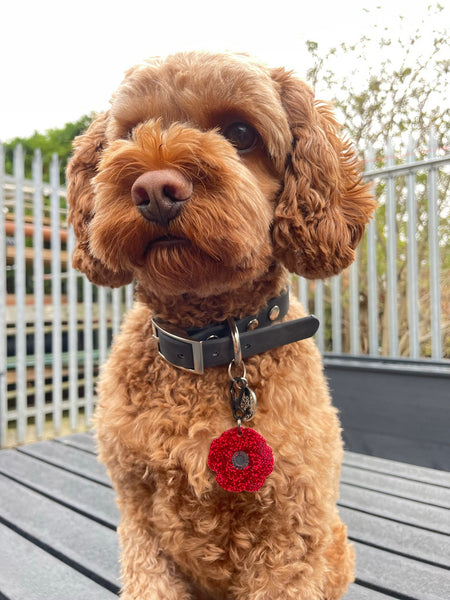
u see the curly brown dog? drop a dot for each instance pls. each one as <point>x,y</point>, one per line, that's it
<point>209,178</point>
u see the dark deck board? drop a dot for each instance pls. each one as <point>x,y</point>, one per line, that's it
<point>403,488</point>
<point>57,521</point>
<point>400,510</point>
<point>78,493</point>
<point>357,592</point>
<point>427,546</point>
<point>83,441</point>
<point>406,577</point>
<point>61,531</point>
<point>27,572</point>
<point>69,458</point>
<point>399,469</point>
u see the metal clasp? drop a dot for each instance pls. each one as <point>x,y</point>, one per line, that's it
<point>196,346</point>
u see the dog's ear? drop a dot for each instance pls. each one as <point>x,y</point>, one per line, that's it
<point>323,207</point>
<point>80,196</point>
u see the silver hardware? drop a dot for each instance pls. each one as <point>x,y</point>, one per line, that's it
<point>244,373</point>
<point>236,341</point>
<point>274,313</point>
<point>252,325</point>
<point>243,399</point>
<point>197,347</point>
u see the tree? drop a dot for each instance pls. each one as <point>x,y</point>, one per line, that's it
<point>384,87</point>
<point>53,141</point>
<point>404,93</point>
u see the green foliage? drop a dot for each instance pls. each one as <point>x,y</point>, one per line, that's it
<point>385,88</point>
<point>53,141</point>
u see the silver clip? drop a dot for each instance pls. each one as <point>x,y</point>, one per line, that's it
<point>236,341</point>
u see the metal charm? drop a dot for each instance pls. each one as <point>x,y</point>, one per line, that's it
<point>243,399</point>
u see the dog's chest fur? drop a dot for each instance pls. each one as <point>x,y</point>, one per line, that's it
<point>159,422</point>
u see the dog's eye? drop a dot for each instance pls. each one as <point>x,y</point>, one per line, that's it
<point>242,136</point>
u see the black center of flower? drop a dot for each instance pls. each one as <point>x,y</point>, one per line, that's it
<point>240,460</point>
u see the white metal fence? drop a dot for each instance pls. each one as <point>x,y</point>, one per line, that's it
<point>394,301</point>
<point>56,327</point>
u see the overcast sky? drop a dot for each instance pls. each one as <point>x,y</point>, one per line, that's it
<point>60,60</point>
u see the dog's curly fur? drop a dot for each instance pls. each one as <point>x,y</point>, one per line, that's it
<point>293,202</point>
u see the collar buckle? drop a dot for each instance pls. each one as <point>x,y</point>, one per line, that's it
<point>194,346</point>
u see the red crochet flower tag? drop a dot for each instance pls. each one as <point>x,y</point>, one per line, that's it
<point>241,461</point>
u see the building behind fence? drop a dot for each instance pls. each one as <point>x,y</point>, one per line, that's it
<point>56,326</point>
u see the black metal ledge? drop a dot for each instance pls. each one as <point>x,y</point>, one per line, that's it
<point>395,409</point>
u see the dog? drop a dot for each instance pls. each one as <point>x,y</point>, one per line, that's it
<point>208,181</point>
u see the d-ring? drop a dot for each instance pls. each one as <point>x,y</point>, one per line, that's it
<point>236,341</point>
<point>244,372</point>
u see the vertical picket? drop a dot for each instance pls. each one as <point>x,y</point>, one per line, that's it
<point>3,324</point>
<point>102,325</point>
<point>303,291</point>
<point>391,224</point>
<point>372,283</point>
<point>55,218</point>
<point>319,312</point>
<point>354,308</point>
<point>294,285</point>
<point>413,284</point>
<point>38,296</point>
<point>336,314</point>
<point>433,240</point>
<point>20,293</point>
<point>117,309</point>
<point>88,352</point>
<point>73,334</point>
<point>129,296</point>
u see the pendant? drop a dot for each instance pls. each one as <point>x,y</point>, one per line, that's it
<point>241,459</point>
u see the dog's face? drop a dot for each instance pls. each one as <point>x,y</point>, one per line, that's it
<point>205,171</point>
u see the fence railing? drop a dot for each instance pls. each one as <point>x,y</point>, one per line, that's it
<point>56,327</point>
<point>394,301</point>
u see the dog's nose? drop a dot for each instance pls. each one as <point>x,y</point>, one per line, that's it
<point>160,195</point>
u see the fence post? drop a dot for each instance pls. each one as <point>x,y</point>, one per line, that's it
<point>303,292</point>
<point>56,293</point>
<point>73,333</point>
<point>319,312</point>
<point>88,352</point>
<point>38,296</point>
<point>433,236</point>
<point>354,307</point>
<point>117,309</point>
<point>102,317</point>
<point>413,286</point>
<point>129,296</point>
<point>391,223</point>
<point>20,291</point>
<point>372,284</point>
<point>3,344</point>
<point>336,314</point>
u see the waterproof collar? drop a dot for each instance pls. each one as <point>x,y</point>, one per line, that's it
<point>196,349</point>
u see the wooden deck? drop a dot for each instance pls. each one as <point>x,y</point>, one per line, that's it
<point>58,519</point>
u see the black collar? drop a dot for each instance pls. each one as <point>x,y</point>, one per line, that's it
<point>196,349</point>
